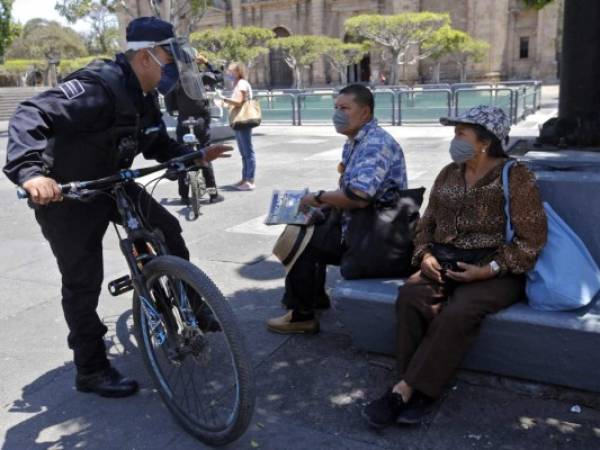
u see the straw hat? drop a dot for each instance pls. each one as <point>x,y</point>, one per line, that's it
<point>292,243</point>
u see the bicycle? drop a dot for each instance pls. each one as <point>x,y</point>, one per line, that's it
<point>171,304</point>
<point>195,178</point>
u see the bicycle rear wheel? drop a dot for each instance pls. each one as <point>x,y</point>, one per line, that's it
<point>204,378</point>
<point>198,190</point>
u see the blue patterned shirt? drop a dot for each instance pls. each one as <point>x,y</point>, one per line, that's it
<point>373,163</point>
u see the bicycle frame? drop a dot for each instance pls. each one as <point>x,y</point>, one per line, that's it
<point>139,245</point>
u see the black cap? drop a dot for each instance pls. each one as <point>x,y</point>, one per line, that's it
<point>148,29</point>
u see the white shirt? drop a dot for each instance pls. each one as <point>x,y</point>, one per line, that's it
<point>242,85</point>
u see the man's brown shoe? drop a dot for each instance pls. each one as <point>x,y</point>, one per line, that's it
<point>284,325</point>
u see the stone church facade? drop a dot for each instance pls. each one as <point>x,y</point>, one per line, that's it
<point>523,42</point>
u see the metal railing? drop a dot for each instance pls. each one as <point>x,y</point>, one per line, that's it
<point>423,106</point>
<point>278,108</point>
<point>397,105</point>
<point>505,98</point>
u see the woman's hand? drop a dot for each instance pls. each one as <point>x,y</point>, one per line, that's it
<point>470,273</point>
<point>430,267</point>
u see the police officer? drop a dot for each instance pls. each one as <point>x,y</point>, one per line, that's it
<point>178,101</point>
<point>90,126</point>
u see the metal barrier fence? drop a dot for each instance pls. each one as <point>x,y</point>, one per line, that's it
<point>423,106</point>
<point>397,105</point>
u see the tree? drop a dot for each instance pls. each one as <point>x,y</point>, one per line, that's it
<point>104,34</point>
<point>226,45</point>
<point>537,4</point>
<point>300,52</point>
<point>466,48</point>
<point>43,38</point>
<point>185,15</point>
<point>6,33</point>
<point>450,41</point>
<point>401,34</point>
<point>440,44</point>
<point>340,55</point>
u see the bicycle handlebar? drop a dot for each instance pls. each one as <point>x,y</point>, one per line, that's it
<point>123,175</point>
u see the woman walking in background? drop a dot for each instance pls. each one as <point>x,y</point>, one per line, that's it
<point>242,92</point>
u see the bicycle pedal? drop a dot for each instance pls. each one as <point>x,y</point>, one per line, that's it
<point>120,286</point>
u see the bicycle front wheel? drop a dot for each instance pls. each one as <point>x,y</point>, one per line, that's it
<point>192,346</point>
<point>198,190</point>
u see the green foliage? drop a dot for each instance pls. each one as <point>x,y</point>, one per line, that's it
<point>71,65</point>
<point>340,55</point>
<point>22,65</point>
<point>537,4</point>
<point>401,34</point>
<point>42,38</point>
<point>301,51</point>
<point>468,48</point>
<point>396,31</point>
<point>104,34</point>
<point>65,67</point>
<point>226,45</point>
<point>6,28</point>
<point>444,41</point>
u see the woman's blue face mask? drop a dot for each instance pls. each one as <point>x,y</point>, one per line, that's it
<point>461,151</point>
<point>168,77</point>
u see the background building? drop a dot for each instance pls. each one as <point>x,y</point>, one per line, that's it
<point>523,42</point>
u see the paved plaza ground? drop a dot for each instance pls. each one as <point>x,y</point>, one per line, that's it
<point>310,389</point>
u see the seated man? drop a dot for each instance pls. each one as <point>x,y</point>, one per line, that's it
<point>372,168</point>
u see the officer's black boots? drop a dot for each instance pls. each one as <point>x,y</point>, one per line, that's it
<point>106,383</point>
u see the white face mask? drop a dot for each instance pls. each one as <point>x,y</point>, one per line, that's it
<point>461,151</point>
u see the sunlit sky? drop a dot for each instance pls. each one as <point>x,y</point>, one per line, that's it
<point>24,10</point>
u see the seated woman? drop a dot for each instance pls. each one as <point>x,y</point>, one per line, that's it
<point>467,270</point>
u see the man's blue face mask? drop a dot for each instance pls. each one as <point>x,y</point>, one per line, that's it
<point>169,75</point>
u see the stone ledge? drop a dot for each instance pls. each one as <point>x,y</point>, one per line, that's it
<point>551,347</point>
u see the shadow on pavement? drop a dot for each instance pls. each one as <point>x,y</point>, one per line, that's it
<point>262,270</point>
<point>65,418</point>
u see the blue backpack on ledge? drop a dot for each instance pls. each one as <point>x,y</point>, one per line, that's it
<point>565,275</point>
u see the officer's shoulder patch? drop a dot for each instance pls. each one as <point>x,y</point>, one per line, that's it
<point>72,89</point>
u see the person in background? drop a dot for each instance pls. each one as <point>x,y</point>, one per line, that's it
<point>178,102</point>
<point>242,91</point>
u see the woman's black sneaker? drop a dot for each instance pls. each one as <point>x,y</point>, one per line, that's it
<point>417,409</point>
<point>384,411</point>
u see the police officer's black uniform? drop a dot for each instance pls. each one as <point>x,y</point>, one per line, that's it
<point>89,127</point>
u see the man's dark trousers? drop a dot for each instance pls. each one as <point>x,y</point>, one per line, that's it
<point>75,231</point>
<point>305,282</point>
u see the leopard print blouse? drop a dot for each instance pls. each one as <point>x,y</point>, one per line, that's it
<point>471,218</point>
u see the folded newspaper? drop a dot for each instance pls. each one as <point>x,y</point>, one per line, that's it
<point>285,208</point>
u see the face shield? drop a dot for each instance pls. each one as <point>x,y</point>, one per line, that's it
<point>184,56</point>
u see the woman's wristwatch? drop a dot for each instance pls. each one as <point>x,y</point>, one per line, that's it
<point>494,267</point>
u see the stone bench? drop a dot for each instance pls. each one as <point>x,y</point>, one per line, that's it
<point>553,347</point>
